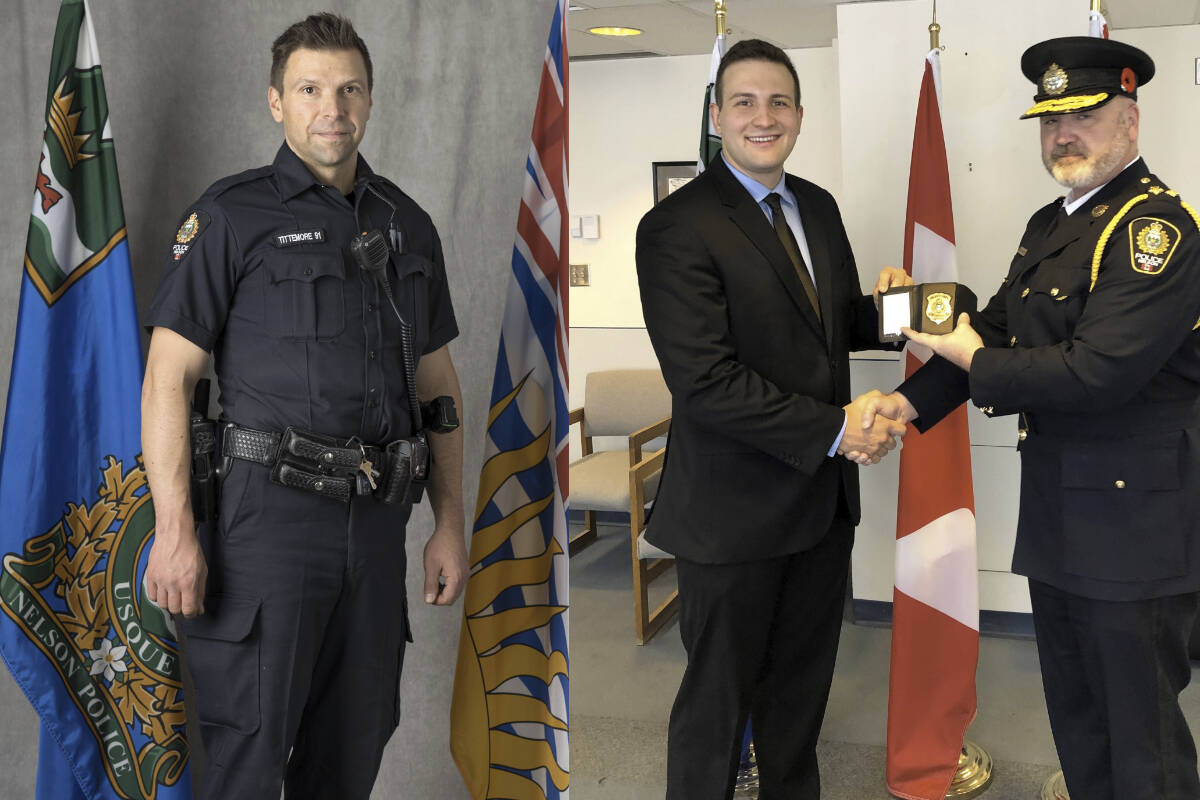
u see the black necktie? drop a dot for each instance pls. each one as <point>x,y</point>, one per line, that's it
<point>784,232</point>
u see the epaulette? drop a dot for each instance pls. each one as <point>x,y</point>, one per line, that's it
<point>401,194</point>
<point>1153,191</point>
<point>227,183</point>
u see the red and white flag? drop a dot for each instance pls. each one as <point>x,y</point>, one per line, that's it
<point>935,625</point>
<point>1097,24</point>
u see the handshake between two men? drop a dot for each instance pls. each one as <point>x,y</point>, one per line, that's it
<point>875,421</point>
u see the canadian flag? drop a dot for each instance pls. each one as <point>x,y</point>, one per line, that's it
<point>1097,24</point>
<point>935,624</point>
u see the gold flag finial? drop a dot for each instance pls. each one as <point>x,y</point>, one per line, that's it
<point>935,31</point>
<point>719,12</point>
<point>1095,5</point>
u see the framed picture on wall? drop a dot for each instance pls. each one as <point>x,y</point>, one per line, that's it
<point>670,175</point>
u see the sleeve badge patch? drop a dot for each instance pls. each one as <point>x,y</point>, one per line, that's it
<point>1151,243</point>
<point>192,227</point>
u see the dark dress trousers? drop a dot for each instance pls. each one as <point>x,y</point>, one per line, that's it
<point>759,517</point>
<point>1106,379</point>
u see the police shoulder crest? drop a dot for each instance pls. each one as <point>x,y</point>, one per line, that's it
<point>193,225</point>
<point>1151,243</point>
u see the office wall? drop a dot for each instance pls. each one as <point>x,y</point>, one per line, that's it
<point>628,113</point>
<point>996,180</point>
<point>857,142</point>
<point>456,85</point>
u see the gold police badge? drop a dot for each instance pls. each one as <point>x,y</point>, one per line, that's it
<point>1054,80</point>
<point>1151,243</point>
<point>938,307</point>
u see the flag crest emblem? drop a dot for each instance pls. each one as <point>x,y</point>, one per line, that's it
<point>74,232</point>
<point>75,593</point>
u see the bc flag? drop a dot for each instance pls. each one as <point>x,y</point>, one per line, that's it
<point>509,715</point>
<point>96,660</point>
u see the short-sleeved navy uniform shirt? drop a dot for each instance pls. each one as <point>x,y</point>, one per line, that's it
<point>261,275</point>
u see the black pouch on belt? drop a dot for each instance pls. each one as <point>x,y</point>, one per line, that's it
<point>405,472</point>
<point>319,464</point>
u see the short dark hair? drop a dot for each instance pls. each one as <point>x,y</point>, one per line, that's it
<point>754,50</point>
<point>324,31</point>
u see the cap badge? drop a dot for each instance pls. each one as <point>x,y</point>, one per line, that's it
<point>1054,80</point>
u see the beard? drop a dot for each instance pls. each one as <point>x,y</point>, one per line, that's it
<point>1086,170</point>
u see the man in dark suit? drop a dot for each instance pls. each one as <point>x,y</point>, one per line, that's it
<point>752,302</point>
<point>1093,338</point>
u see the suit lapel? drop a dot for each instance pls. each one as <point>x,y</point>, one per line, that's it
<point>750,219</point>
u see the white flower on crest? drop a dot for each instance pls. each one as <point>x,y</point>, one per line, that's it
<point>108,660</point>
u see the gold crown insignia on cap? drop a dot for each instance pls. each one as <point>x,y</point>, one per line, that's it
<point>1054,80</point>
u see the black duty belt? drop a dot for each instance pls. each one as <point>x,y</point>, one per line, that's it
<point>301,459</point>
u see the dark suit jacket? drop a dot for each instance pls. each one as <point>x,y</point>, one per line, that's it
<point>757,383</point>
<point>1107,380</point>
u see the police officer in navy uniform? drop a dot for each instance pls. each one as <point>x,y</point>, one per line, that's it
<point>1092,339</point>
<point>296,647</point>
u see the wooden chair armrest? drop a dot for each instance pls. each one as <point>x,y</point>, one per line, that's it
<point>638,474</point>
<point>647,466</point>
<point>585,441</point>
<point>639,438</point>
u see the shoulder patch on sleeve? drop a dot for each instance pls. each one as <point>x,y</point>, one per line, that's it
<point>194,225</point>
<point>1151,243</point>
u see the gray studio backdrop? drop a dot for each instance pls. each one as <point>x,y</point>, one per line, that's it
<point>455,87</point>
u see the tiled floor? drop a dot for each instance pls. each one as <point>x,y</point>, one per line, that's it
<point>621,697</point>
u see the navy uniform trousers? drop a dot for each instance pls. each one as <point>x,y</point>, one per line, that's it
<point>297,659</point>
<point>1112,672</point>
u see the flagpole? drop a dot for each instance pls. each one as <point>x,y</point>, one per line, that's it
<point>974,773</point>
<point>719,13</point>
<point>935,31</point>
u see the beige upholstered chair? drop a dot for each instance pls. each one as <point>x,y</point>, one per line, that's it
<point>635,404</point>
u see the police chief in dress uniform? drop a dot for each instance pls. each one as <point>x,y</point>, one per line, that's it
<point>752,302</point>
<point>1092,339</point>
<point>296,648</point>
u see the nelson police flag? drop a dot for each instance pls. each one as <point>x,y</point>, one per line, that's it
<point>97,662</point>
<point>509,716</point>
